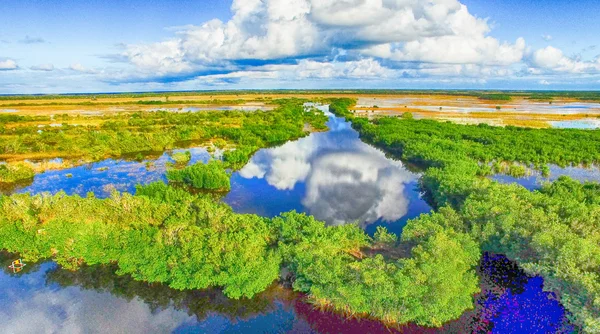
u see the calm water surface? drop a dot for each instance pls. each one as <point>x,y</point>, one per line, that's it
<point>536,180</point>
<point>331,175</point>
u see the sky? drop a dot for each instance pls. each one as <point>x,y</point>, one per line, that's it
<point>80,46</point>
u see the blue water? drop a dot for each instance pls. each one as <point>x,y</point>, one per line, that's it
<point>333,176</point>
<point>579,124</point>
<point>103,177</point>
<point>94,300</point>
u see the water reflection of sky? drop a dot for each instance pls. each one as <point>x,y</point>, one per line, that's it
<point>33,303</point>
<point>535,180</point>
<point>105,176</point>
<point>333,176</point>
<point>48,299</point>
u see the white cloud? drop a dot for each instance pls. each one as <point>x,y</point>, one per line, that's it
<point>547,38</point>
<point>436,31</point>
<point>77,67</point>
<point>454,50</point>
<point>43,67</point>
<point>32,40</point>
<point>553,59</point>
<point>8,64</point>
<point>367,68</point>
<point>544,82</point>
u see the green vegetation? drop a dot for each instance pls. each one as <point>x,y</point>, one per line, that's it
<point>210,176</point>
<point>182,158</point>
<point>167,235</point>
<point>426,288</point>
<point>11,173</point>
<point>553,232</point>
<point>130,134</point>
<point>495,97</point>
<point>164,234</point>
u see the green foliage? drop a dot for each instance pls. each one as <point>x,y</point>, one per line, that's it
<point>517,170</point>
<point>383,236</point>
<point>11,173</point>
<point>427,288</point>
<point>160,235</point>
<point>239,157</point>
<point>167,235</point>
<point>554,232</point>
<point>495,97</point>
<point>210,176</point>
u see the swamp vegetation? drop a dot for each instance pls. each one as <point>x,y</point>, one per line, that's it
<point>426,276</point>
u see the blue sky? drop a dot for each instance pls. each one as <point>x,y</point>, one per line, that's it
<point>132,45</point>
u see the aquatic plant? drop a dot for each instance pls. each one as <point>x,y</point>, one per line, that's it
<point>115,135</point>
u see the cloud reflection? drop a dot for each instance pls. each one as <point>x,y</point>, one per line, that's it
<point>346,180</point>
<point>73,310</point>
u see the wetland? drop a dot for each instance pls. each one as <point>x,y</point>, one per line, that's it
<point>103,219</point>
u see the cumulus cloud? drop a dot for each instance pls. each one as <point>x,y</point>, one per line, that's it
<point>547,38</point>
<point>454,50</point>
<point>43,67</point>
<point>553,59</point>
<point>303,33</point>
<point>8,64</point>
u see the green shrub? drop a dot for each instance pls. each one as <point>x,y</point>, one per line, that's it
<point>210,176</point>
<point>11,173</point>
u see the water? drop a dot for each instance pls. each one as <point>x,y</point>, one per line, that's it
<point>585,124</point>
<point>536,180</point>
<point>103,177</point>
<point>95,300</point>
<point>332,175</point>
